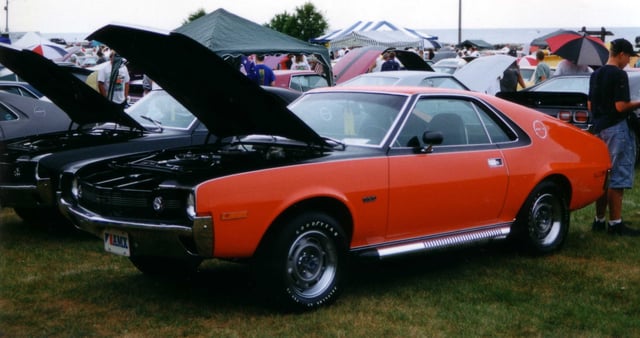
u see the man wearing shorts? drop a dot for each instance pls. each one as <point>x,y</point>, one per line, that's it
<point>610,104</point>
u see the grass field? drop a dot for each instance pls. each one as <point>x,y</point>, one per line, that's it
<point>60,283</point>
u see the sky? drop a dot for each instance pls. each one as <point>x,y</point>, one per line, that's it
<point>77,16</point>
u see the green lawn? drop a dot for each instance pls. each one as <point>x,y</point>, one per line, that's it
<point>57,282</point>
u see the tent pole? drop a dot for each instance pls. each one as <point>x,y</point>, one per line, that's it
<point>459,22</point>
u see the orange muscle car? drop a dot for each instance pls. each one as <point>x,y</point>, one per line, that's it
<point>364,171</point>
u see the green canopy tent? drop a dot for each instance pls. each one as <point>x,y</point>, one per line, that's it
<point>229,35</point>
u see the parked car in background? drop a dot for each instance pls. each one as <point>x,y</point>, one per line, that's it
<point>449,66</point>
<point>363,60</point>
<point>527,75</point>
<point>407,78</point>
<point>372,172</point>
<point>20,88</point>
<point>21,116</point>
<point>300,80</point>
<point>565,97</point>
<point>95,127</point>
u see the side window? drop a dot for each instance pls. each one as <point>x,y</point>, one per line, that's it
<point>6,114</point>
<point>18,91</point>
<point>496,133</point>
<point>307,82</point>
<point>11,89</point>
<point>460,121</point>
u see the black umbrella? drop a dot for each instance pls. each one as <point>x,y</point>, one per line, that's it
<point>579,49</point>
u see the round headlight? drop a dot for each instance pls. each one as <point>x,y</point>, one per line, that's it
<point>191,205</point>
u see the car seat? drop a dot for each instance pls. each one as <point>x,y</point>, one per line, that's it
<point>451,126</point>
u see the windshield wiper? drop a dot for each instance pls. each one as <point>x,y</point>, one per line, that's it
<point>334,143</point>
<point>157,123</point>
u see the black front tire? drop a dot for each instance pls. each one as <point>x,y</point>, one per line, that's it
<point>301,266</point>
<point>543,222</point>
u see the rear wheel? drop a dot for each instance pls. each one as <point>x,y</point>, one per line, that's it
<point>543,222</point>
<point>302,266</point>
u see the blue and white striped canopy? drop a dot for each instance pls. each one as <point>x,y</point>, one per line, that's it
<point>368,26</point>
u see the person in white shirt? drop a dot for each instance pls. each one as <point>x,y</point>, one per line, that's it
<point>566,67</point>
<point>113,80</point>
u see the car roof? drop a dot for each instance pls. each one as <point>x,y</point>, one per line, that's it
<point>400,90</point>
<point>405,73</point>
<point>294,71</point>
<point>404,77</point>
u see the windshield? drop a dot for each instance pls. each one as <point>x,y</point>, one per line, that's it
<point>352,118</point>
<point>573,84</point>
<point>161,107</point>
<point>371,81</point>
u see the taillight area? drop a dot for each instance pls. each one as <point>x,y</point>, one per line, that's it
<point>564,116</point>
<point>578,116</point>
<point>581,116</point>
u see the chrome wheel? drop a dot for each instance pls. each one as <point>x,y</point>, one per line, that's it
<point>543,222</point>
<point>546,219</point>
<point>301,263</point>
<point>311,264</point>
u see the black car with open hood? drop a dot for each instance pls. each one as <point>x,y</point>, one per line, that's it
<point>225,100</point>
<point>30,167</point>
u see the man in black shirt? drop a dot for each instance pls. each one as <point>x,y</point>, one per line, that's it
<point>610,104</point>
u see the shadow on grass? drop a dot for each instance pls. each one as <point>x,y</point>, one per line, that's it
<point>13,228</point>
<point>224,288</point>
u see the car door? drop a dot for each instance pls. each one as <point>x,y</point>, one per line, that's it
<point>456,185</point>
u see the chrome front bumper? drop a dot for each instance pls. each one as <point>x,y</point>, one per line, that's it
<point>148,239</point>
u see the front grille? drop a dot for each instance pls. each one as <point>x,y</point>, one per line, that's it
<point>134,204</point>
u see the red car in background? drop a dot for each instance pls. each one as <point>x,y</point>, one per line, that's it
<point>363,59</point>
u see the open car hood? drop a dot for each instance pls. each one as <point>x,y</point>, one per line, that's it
<point>222,98</point>
<point>412,61</point>
<point>82,103</point>
<point>481,73</point>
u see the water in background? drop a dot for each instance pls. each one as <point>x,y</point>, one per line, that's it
<point>494,36</point>
<point>520,36</point>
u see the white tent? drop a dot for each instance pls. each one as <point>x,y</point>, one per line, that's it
<point>30,39</point>
<point>367,27</point>
<point>377,38</point>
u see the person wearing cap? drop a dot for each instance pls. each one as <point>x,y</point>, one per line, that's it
<point>610,104</point>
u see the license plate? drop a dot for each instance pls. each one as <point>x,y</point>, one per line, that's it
<point>116,242</point>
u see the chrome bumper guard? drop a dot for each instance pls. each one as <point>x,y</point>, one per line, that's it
<point>148,239</point>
